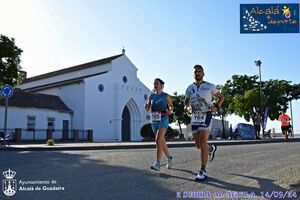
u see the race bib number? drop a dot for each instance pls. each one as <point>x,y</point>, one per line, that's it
<point>155,116</point>
<point>198,118</point>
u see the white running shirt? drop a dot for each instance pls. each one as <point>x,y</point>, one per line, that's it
<point>201,97</point>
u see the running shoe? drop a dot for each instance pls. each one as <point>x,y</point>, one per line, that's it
<point>155,166</point>
<point>201,176</point>
<point>211,153</point>
<point>169,162</point>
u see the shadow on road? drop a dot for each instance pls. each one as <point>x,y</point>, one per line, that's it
<point>168,176</point>
<point>82,176</point>
<point>265,185</point>
<point>184,170</point>
<point>296,186</point>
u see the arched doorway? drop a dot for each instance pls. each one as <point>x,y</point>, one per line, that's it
<point>131,122</point>
<point>126,124</point>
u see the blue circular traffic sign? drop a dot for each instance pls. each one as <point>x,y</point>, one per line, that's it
<point>7,91</point>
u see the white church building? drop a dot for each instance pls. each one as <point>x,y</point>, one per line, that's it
<point>104,96</point>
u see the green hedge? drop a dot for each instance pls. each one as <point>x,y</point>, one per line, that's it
<point>146,132</point>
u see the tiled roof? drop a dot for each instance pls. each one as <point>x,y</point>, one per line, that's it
<point>35,100</point>
<point>74,68</point>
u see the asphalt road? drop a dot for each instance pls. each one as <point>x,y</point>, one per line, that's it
<point>238,172</point>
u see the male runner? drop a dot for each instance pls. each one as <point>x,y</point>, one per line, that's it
<point>199,96</point>
<point>284,119</point>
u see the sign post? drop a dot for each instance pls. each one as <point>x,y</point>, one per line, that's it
<point>6,92</point>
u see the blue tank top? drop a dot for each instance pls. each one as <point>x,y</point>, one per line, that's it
<point>159,102</point>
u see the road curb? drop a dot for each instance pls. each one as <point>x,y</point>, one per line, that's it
<point>143,146</point>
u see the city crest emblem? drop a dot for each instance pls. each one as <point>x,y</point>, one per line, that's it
<point>9,185</point>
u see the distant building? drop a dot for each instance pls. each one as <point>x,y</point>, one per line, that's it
<point>215,129</point>
<point>34,113</point>
<point>104,95</point>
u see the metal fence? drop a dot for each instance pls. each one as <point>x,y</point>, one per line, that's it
<point>45,134</point>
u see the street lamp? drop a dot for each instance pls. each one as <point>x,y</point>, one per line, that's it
<point>258,64</point>
<point>292,122</point>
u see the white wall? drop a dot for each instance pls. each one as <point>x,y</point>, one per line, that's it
<point>103,110</point>
<point>133,97</point>
<point>217,127</point>
<point>122,66</point>
<point>17,118</point>
<point>74,97</point>
<point>131,94</point>
<point>99,107</point>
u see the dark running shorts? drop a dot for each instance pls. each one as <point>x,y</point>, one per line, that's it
<point>284,128</point>
<point>204,126</point>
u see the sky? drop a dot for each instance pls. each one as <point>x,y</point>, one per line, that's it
<point>162,38</point>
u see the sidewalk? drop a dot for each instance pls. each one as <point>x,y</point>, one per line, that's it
<point>131,145</point>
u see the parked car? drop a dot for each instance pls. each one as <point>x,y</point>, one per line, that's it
<point>244,131</point>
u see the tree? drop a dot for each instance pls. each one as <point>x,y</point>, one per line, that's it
<point>224,110</point>
<point>179,115</point>
<point>9,61</point>
<point>244,91</point>
<point>239,84</point>
<point>295,94</point>
<point>277,96</point>
<point>246,105</point>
